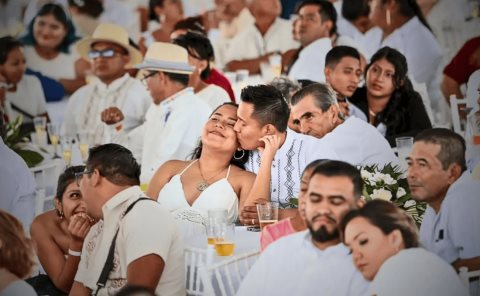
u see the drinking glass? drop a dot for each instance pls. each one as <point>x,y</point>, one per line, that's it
<point>66,143</point>
<point>52,130</point>
<point>83,145</point>
<point>404,147</point>
<point>267,213</point>
<point>217,219</point>
<point>40,123</point>
<point>275,61</point>
<point>225,243</point>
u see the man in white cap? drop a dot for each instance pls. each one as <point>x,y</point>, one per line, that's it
<point>110,55</point>
<point>174,121</point>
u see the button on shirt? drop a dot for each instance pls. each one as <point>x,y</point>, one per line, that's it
<point>290,160</point>
<point>250,43</point>
<point>311,61</point>
<point>147,229</point>
<point>453,232</point>
<point>294,266</point>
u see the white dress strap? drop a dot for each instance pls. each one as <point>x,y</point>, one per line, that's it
<point>187,167</point>
<point>228,172</point>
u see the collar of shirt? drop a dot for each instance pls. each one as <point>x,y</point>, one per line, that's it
<point>114,206</point>
<point>316,46</point>
<point>172,98</point>
<point>102,87</point>
<point>338,249</point>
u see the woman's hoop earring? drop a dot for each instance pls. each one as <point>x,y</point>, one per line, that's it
<point>60,214</point>
<point>239,157</point>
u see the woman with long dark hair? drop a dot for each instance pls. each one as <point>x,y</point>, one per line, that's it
<point>388,99</point>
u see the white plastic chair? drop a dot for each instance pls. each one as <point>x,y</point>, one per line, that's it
<point>46,177</point>
<point>194,258</point>
<point>454,102</point>
<point>224,278</point>
<point>466,275</point>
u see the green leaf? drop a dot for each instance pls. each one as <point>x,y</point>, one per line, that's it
<point>31,158</point>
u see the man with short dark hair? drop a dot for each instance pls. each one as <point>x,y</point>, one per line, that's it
<point>278,155</point>
<point>174,121</point>
<point>342,73</point>
<point>437,175</point>
<point>317,23</point>
<point>148,246</point>
<point>315,110</point>
<point>314,261</point>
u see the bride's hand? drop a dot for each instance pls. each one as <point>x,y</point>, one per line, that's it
<point>272,144</point>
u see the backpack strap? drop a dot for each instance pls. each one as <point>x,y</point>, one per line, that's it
<point>102,280</point>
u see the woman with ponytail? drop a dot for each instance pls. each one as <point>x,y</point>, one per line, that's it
<point>404,28</point>
<point>388,99</point>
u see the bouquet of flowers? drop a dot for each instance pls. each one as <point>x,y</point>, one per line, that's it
<point>389,184</point>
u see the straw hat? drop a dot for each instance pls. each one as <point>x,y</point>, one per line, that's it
<point>166,57</point>
<point>109,33</point>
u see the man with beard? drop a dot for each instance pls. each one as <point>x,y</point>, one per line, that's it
<point>313,261</point>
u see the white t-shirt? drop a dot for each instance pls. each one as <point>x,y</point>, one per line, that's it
<point>87,103</point>
<point>311,61</point>
<point>359,143</point>
<point>213,95</point>
<point>292,265</point>
<point>416,271</point>
<point>29,97</point>
<point>250,43</point>
<point>60,67</point>
<point>290,160</point>
<point>453,232</point>
<point>147,229</point>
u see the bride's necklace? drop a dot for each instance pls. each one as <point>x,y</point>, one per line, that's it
<point>203,184</point>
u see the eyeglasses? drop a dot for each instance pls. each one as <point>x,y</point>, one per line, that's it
<point>144,79</point>
<point>107,53</point>
<point>79,175</point>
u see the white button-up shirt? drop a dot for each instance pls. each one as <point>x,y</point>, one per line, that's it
<point>360,144</point>
<point>85,106</point>
<point>290,160</point>
<point>293,265</point>
<point>311,61</point>
<point>453,232</point>
<point>147,229</point>
<point>250,43</point>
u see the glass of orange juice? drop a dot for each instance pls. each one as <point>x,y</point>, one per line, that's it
<point>225,243</point>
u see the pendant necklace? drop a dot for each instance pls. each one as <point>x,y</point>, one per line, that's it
<point>203,184</point>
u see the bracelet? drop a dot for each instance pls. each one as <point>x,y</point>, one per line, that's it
<point>74,253</point>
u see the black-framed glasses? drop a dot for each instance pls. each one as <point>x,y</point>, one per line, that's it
<point>107,53</point>
<point>144,79</point>
<point>79,175</point>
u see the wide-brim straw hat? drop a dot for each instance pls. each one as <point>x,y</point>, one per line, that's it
<point>166,57</point>
<point>109,33</point>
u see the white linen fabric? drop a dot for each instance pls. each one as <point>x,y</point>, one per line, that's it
<point>61,67</point>
<point>294,266</point>
<point>85,106</point>
<point>290,160</point>
<point>250,43</point>
<point>213,95</point>
<point>452,233</point>
<point>140,234</point>
<point>368,41</point>
<point>17,194</point>
<point>416,271</point>
<point>311,61</point>
<point>360,144</point>
<point>28,97</point>
<point>18,288</point>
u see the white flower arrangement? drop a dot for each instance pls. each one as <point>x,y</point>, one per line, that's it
<point>388,184</point>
